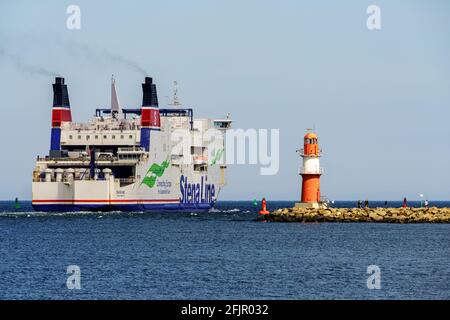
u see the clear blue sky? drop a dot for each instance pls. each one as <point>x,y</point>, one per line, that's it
<point>380,100</point>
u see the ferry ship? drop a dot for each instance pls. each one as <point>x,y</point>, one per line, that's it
<point>130,159</point>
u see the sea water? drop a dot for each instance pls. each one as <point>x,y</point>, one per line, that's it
<point>222,254</point>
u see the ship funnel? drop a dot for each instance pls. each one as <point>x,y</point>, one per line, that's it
<point>60,113</point>
<point>150,118</point>
<point>150,97</point>
<point>60,94</point>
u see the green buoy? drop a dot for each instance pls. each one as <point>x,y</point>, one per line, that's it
<point>255,203</point>
<point>17,204</point>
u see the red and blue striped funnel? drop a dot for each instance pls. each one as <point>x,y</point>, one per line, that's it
<point>60,112</point>
<point>150,118</point>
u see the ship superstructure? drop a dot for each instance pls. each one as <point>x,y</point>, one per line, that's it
<point>136,159</point>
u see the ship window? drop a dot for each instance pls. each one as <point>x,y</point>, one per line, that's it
<point>130,136</point>
<point>104,137</point>
<point>199,167</point>
<point>87,137</point>
<point>96,137</point>
<point>70,137</point>
<point>79,137</point>
<point>121,137</point>
<point>113,136</point>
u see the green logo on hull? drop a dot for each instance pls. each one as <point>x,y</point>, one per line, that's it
<point>154,172</point>
<point>217,156</point>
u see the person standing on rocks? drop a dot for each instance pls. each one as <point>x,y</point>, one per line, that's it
<point>404,202</point>
<point>385,204</point>
<point>359,204</point>
<point>366,203</point>
<point>426,204</point>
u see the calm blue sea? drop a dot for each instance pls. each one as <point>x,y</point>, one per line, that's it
<point>223,254</point>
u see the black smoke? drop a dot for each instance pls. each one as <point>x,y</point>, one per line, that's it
<point>23,66</point>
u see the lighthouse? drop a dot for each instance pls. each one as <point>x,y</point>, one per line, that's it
<point>310,172</point>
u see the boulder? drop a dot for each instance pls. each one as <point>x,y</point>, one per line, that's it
<point>374,216</point>
<point>380,212</point>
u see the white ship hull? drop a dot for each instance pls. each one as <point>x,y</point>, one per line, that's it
<point>172,192</point>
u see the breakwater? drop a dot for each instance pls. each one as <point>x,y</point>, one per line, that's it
<point>387,215</point>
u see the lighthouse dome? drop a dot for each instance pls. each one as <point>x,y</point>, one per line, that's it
<point>310,135</point>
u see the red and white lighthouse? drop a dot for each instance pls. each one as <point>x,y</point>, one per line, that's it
<point>310,172</point>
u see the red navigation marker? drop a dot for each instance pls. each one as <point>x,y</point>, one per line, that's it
<point>264,207</point>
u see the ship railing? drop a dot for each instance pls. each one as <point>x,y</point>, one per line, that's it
<point>99,126</point>
<point>120,180</point>
<point>131,149</point>
<point>65,159</point>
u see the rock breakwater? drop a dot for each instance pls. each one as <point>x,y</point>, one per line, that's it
<point>387,215</point>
